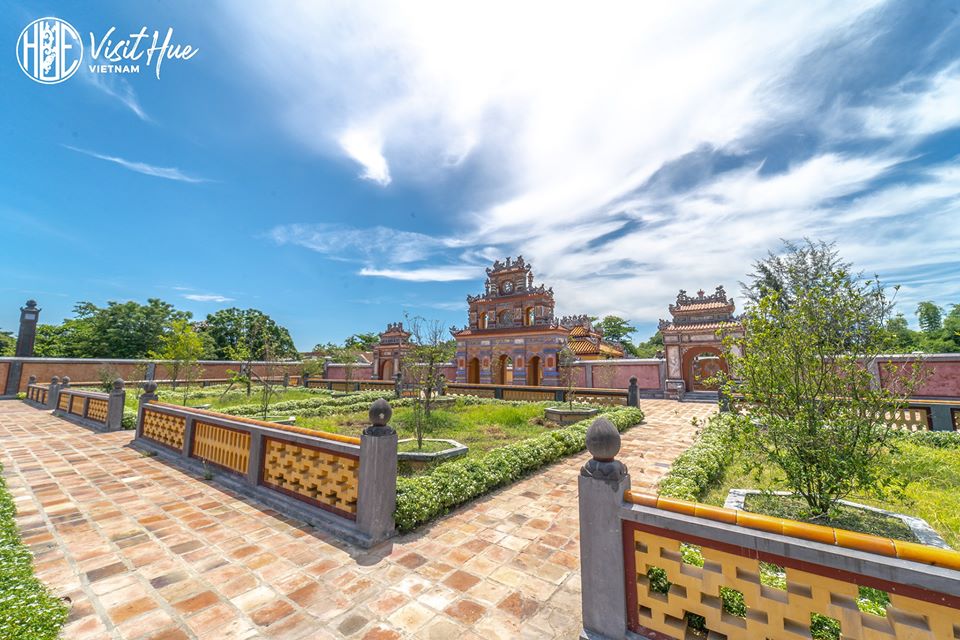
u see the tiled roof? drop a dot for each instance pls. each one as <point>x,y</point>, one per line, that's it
<point>579,331</point>
<point>582,347</point>
<point>701,306</point>
<point>701,326</point>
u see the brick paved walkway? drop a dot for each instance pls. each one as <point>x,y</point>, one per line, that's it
<point>143,550</point>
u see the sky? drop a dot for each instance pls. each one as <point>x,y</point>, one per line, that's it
<point>339,164</point>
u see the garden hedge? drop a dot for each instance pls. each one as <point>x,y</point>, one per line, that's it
<point>704,461</point>
<point>27,610</point>
<point>424,497</point>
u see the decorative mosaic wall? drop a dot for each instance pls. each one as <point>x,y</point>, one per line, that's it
<point>76,405</point>
<point>63,402</point>
<point>164,428</point>
<point>770,612</point>
<point>534,396</point>
<point>227,448</point>
<point>911,418</point>
<point>97,410</point>
<point>321,477</point>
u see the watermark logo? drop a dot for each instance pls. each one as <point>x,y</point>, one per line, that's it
<point>49,50</point>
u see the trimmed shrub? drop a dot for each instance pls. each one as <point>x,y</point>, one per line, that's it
<point>27,609</point>
<point>129,419</point>
<point>935,439</point>
<point>704,462</point>
<point>423,498</point>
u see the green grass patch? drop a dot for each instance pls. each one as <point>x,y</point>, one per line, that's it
<point>27,609</point>
<point>429,446</point>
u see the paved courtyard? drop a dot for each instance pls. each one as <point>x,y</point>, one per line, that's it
<point>143,550</point>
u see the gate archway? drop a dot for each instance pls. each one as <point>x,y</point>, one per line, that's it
<point>386,370</point>
<point>503,372</point>
<point>534,371</point>
<point>473,371</point>
<point>701,363</point>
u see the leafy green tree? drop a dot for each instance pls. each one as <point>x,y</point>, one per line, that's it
<point>362,341</point>
<point>346,355</point>
<point>121,329</point>
<point>649,348</point>
<point>181,348</point>
<point>422,366</point>
<point>616,328</point>
<point>255,330</point>
<point>799,266</point>
<point>930,317</point>
<point>803,369</point>
<point>905,339</point>
<point>8,344</point>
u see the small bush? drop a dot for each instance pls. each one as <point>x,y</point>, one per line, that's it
<point>935,439</point>
<point>27,609</point>
<point>21,395</point>
<point>129,419</point>
<point>704,462</point>
<point>422,498</point>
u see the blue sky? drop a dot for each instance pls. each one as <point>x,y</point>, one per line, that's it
<point>334,165</point>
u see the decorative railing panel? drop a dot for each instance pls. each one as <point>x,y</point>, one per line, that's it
<point>63,401</point>
<point>529,395</point>
<point>910,418</point>
<point>322,477</point>
<point>344,482</point>
<point>222,446</point>
<point>37,394</point>
<point>97,410</point>
<point>76,404</point>
<point>163,428</point>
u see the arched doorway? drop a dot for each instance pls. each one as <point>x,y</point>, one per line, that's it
<point>701,363</point>
<point>503,371</point>
<point>386,370</point>
<point>473,371</point>
<point>534,373</point>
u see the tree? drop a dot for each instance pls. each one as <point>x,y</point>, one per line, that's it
<point>803,370</point>
<point>121,329</point>
<point>362,341</point>
<point>799,267</point>
<point>904,338</point>
<point>650,348</point>
<point>930,317</point>
<point>8,344</point>
<point>181,347</point>
<point>616,328</point>
<point>230,328</point>
<point>422,366</point>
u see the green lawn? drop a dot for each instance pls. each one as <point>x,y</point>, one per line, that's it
<point>932,491</point>
<point>481,427</point>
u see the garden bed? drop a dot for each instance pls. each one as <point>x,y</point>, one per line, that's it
<point>27,609</point>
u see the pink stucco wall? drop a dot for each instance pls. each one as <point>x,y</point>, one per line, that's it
<point>339,372</point>
<point>941,374</point>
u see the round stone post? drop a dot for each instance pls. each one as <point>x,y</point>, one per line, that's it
<point>118,397</point>
<point>633,393</point>
<point>53,392</point>
<point>602,482</point>
<point>377,499</point>
<point>149,394</point>
<point>32,380</point>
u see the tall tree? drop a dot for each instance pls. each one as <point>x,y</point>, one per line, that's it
<point>8,344</point>
<point>181,347</point>
<point>362,341</point>
<point>803,370</point>
<point>930,317</point>
<point>249,329</point>
<point>422,366</point>
<point>798,267</point>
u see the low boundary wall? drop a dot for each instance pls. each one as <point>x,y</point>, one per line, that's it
<point>625,535</point>
<point>344,484</point>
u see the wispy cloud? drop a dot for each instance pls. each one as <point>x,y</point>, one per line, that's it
<point>774,120</point>
<point>206,297</point>
<point>168,173</point>
<point>425,274</point>
<point>118,89</point>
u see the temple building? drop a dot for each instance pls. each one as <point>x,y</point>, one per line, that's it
<point>388,354</point>
<point>513,336</point>
<point>693,340</point>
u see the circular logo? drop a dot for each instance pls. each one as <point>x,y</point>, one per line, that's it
<point>49,50</point>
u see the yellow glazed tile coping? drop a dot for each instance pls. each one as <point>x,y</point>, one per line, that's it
<point>912,551</point>
<point>262,423</point>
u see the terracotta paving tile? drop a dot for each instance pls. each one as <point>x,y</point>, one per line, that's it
<point>162,554</point>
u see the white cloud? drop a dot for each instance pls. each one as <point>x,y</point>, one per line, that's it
<point>567,109</point>
<point>168,173</point>
<point>207,297</point>
<point>118,89</point>
<point>425,274</point>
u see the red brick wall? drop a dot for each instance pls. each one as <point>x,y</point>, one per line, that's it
<point>942,375</point>
<point>338,372</point>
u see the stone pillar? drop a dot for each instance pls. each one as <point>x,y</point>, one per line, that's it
<point>286,379</point>
<point>397,385</point>
<point>151,372</point>
<point>29,315</point>
<point>32,380</point>
<point>633,393</point>
<point>602,483</point>
<point>377,498</point>
<point>149,394</point>
<point>118,396</point>
<point>305,379</point>
<point>53,392</point>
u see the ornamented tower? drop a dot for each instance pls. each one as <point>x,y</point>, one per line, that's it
<point>512,336</point>
<point>388,353</point>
